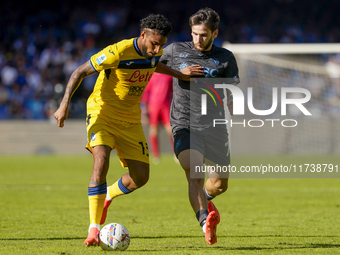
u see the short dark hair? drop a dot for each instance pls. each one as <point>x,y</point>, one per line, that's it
<point>205,16</point>
<point>158,23</point>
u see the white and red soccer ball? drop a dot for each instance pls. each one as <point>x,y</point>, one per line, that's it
<point>114,236</point>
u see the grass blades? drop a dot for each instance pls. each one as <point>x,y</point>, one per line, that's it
<point>44,210</point>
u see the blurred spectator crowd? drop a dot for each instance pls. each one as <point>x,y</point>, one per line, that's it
<point>41,45</point>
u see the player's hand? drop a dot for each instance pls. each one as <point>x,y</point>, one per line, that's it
<point>194,70</point>
<point>230,105</point>
<point>61,115</point>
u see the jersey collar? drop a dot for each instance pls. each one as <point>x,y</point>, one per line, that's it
<point>136,47</point>
<point>203,53</point>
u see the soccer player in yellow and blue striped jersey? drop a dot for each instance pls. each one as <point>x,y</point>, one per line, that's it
<point>113,112</point>
<point>124,74</point>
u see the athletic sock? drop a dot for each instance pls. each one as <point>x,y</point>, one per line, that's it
<point>96,203</point>
<point>108,194</point>
<point>209,197</point>
<point>154,145</point>
<point>94,226</point>
<point>117,189</point>
<point>201,216</point>
<point>204,228</point>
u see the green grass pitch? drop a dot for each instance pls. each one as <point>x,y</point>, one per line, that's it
<point>44,210</point>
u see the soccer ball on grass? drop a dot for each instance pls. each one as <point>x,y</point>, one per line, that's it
<point>114,236</point>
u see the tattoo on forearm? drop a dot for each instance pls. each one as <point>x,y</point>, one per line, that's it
<point>72,85</point>
<point>77,76</point>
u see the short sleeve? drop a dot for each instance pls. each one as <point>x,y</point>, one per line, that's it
<point>166,58</point>
<point>107,58</point>
<point>231,70</point>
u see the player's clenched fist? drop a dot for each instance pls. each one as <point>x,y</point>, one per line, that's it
<point>61,115</point>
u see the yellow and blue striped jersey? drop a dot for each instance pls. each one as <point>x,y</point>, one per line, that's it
<point>123,75</point>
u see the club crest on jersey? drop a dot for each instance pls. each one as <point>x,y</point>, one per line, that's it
<point>101,59</point>
<point>93,137</point>
<point>215,61</point>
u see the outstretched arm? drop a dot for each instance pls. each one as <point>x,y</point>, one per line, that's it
<point>76,78</point>
<point>184,74</point>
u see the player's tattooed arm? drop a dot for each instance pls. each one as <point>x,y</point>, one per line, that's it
<point>76,78</point>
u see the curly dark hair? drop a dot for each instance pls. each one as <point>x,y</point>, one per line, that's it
<point>158,23</point>
<point>207,17</point>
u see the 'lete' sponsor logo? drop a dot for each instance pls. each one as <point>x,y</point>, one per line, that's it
<point>138,77</point>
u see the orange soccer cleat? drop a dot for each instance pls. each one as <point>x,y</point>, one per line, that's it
<point>211,225</point>
<point>92,238</point>
<point>212,207</point>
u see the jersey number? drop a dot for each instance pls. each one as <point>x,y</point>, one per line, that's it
<point>145,149</point>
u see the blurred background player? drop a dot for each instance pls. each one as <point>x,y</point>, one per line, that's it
<point>156,102</point>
